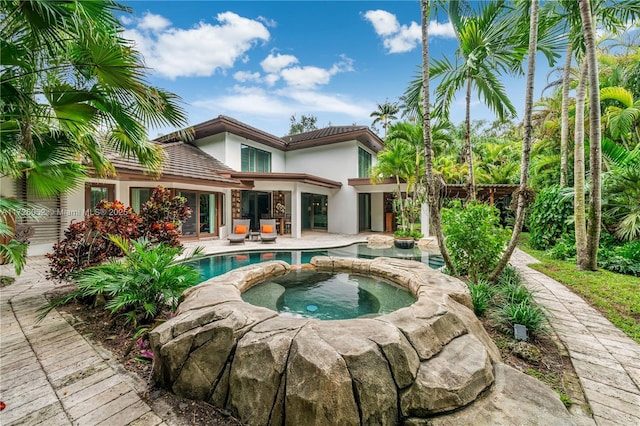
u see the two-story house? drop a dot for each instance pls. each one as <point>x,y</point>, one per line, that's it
<point>317,180</point>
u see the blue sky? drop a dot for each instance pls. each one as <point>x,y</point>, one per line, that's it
<point>262,61</point>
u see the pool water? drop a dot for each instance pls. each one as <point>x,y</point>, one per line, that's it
<point>328,296</point>
<point>213,266</point>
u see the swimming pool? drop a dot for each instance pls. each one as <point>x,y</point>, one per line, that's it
<point>215,265</point>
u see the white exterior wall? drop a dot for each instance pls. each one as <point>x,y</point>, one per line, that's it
<point>215,146</point>
<point>227,148</point>
<point>337,162</point>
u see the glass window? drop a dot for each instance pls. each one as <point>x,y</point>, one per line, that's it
<point>254,159</point>
<point>207,213</point>
<point>364,163</point>
<point>139,196</point>
<point>94,193</point>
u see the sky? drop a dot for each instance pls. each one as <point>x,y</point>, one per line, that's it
<point>261,62</point>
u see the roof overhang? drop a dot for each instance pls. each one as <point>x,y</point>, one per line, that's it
<point>222,124</point>
<point>250,177</point>
<point>365,136</point>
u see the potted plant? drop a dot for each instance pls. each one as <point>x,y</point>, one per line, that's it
<point>402,239</point>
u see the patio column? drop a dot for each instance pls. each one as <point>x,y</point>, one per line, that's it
<point>424,219</point>
<point>296,212</point>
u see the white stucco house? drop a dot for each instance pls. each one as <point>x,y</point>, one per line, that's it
<point>316,180</point>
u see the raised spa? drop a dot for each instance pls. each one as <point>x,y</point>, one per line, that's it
<point>328,296</point>
<point>428,363</point>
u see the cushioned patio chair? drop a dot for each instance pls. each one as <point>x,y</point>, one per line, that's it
<point>240,231</point>
<point>268,230</point>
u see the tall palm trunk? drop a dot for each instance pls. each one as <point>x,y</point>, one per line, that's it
<point>433,187</point>
<point>526,143</point>
<point>578,170</point>
<point>471,183</point>
<point>595,152</point>
<point>403,224</point>
<point>564,127</point>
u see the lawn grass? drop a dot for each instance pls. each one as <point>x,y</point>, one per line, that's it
<point>616,296</point>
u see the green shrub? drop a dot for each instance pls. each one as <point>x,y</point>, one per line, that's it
<point>622,265</point>
<point>515,293</point>
<point>474,237</point>
<point>525,313</point>
<point>630,250</point>
<point>509,276</point>
<point>564,248</point>
<point>139,286</point>
<point>549,217</point>
<point>481,295</point>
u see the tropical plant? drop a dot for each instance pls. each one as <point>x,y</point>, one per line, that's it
<point>384,113</point>
<point>523,195</point>
<point>482,294</point>
<point>66,77</point>
<point>435,186</point>
<point>307,123</point>
<point>622,119</point>
<point>162,216</point>
<point>549,217</point>
<point>524,313</point>
<point>621,203</point>
<point>474,237</point>
<point>140,286</point>
<point>590,261</point>
<point>487,46</point>
<point>88,242</point>
<point>402,159</point>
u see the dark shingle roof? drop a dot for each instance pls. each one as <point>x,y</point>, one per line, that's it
<point>183,160</point>
<point>322,133</point>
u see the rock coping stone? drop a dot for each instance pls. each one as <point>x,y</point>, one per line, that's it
<point>431,361</point>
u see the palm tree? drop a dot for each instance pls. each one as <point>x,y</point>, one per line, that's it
<point>67,76</point>
<point>523,191</point>
<point>384,114</point>
<point>435,186</point>
<point>579,208</point>
<point>595,151</point>
<point>395,160</point>
<point>486,48</point>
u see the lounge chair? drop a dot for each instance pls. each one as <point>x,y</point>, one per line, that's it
<point>240,231</point>
<point>268,230</point>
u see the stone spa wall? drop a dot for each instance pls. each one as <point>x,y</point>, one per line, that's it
<point>430,363</point>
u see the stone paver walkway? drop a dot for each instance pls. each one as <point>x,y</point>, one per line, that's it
<point>606,360</point>
<point>50,375</point>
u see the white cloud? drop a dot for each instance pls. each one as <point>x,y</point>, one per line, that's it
<point>267,21</point>
<point>445,29</point>
<point>243,76</point>
<point>274,63</point>
<point>309,77</point>
<point>153,22</point>
<point>260,103</point>
<point>404,40</point>
<point>398,38</point>
<point>384,23</point>
<point>198,51</point>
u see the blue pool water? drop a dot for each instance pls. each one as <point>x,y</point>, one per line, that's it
<point>213,266</point>
<point>328,296</point>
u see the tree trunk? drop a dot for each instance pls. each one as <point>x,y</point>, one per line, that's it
<point>526,143</point>
<point>564,127</point>
<point>433,191</point>
<point>595,151</point>
<point>401,204</point>
<point>578,171</point>
<point>471,182</point>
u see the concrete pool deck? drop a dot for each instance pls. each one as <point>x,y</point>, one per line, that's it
<point>52,375</point>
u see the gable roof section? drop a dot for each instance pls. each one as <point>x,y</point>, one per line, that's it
<point>320,137</point>
<point>184,161</point>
